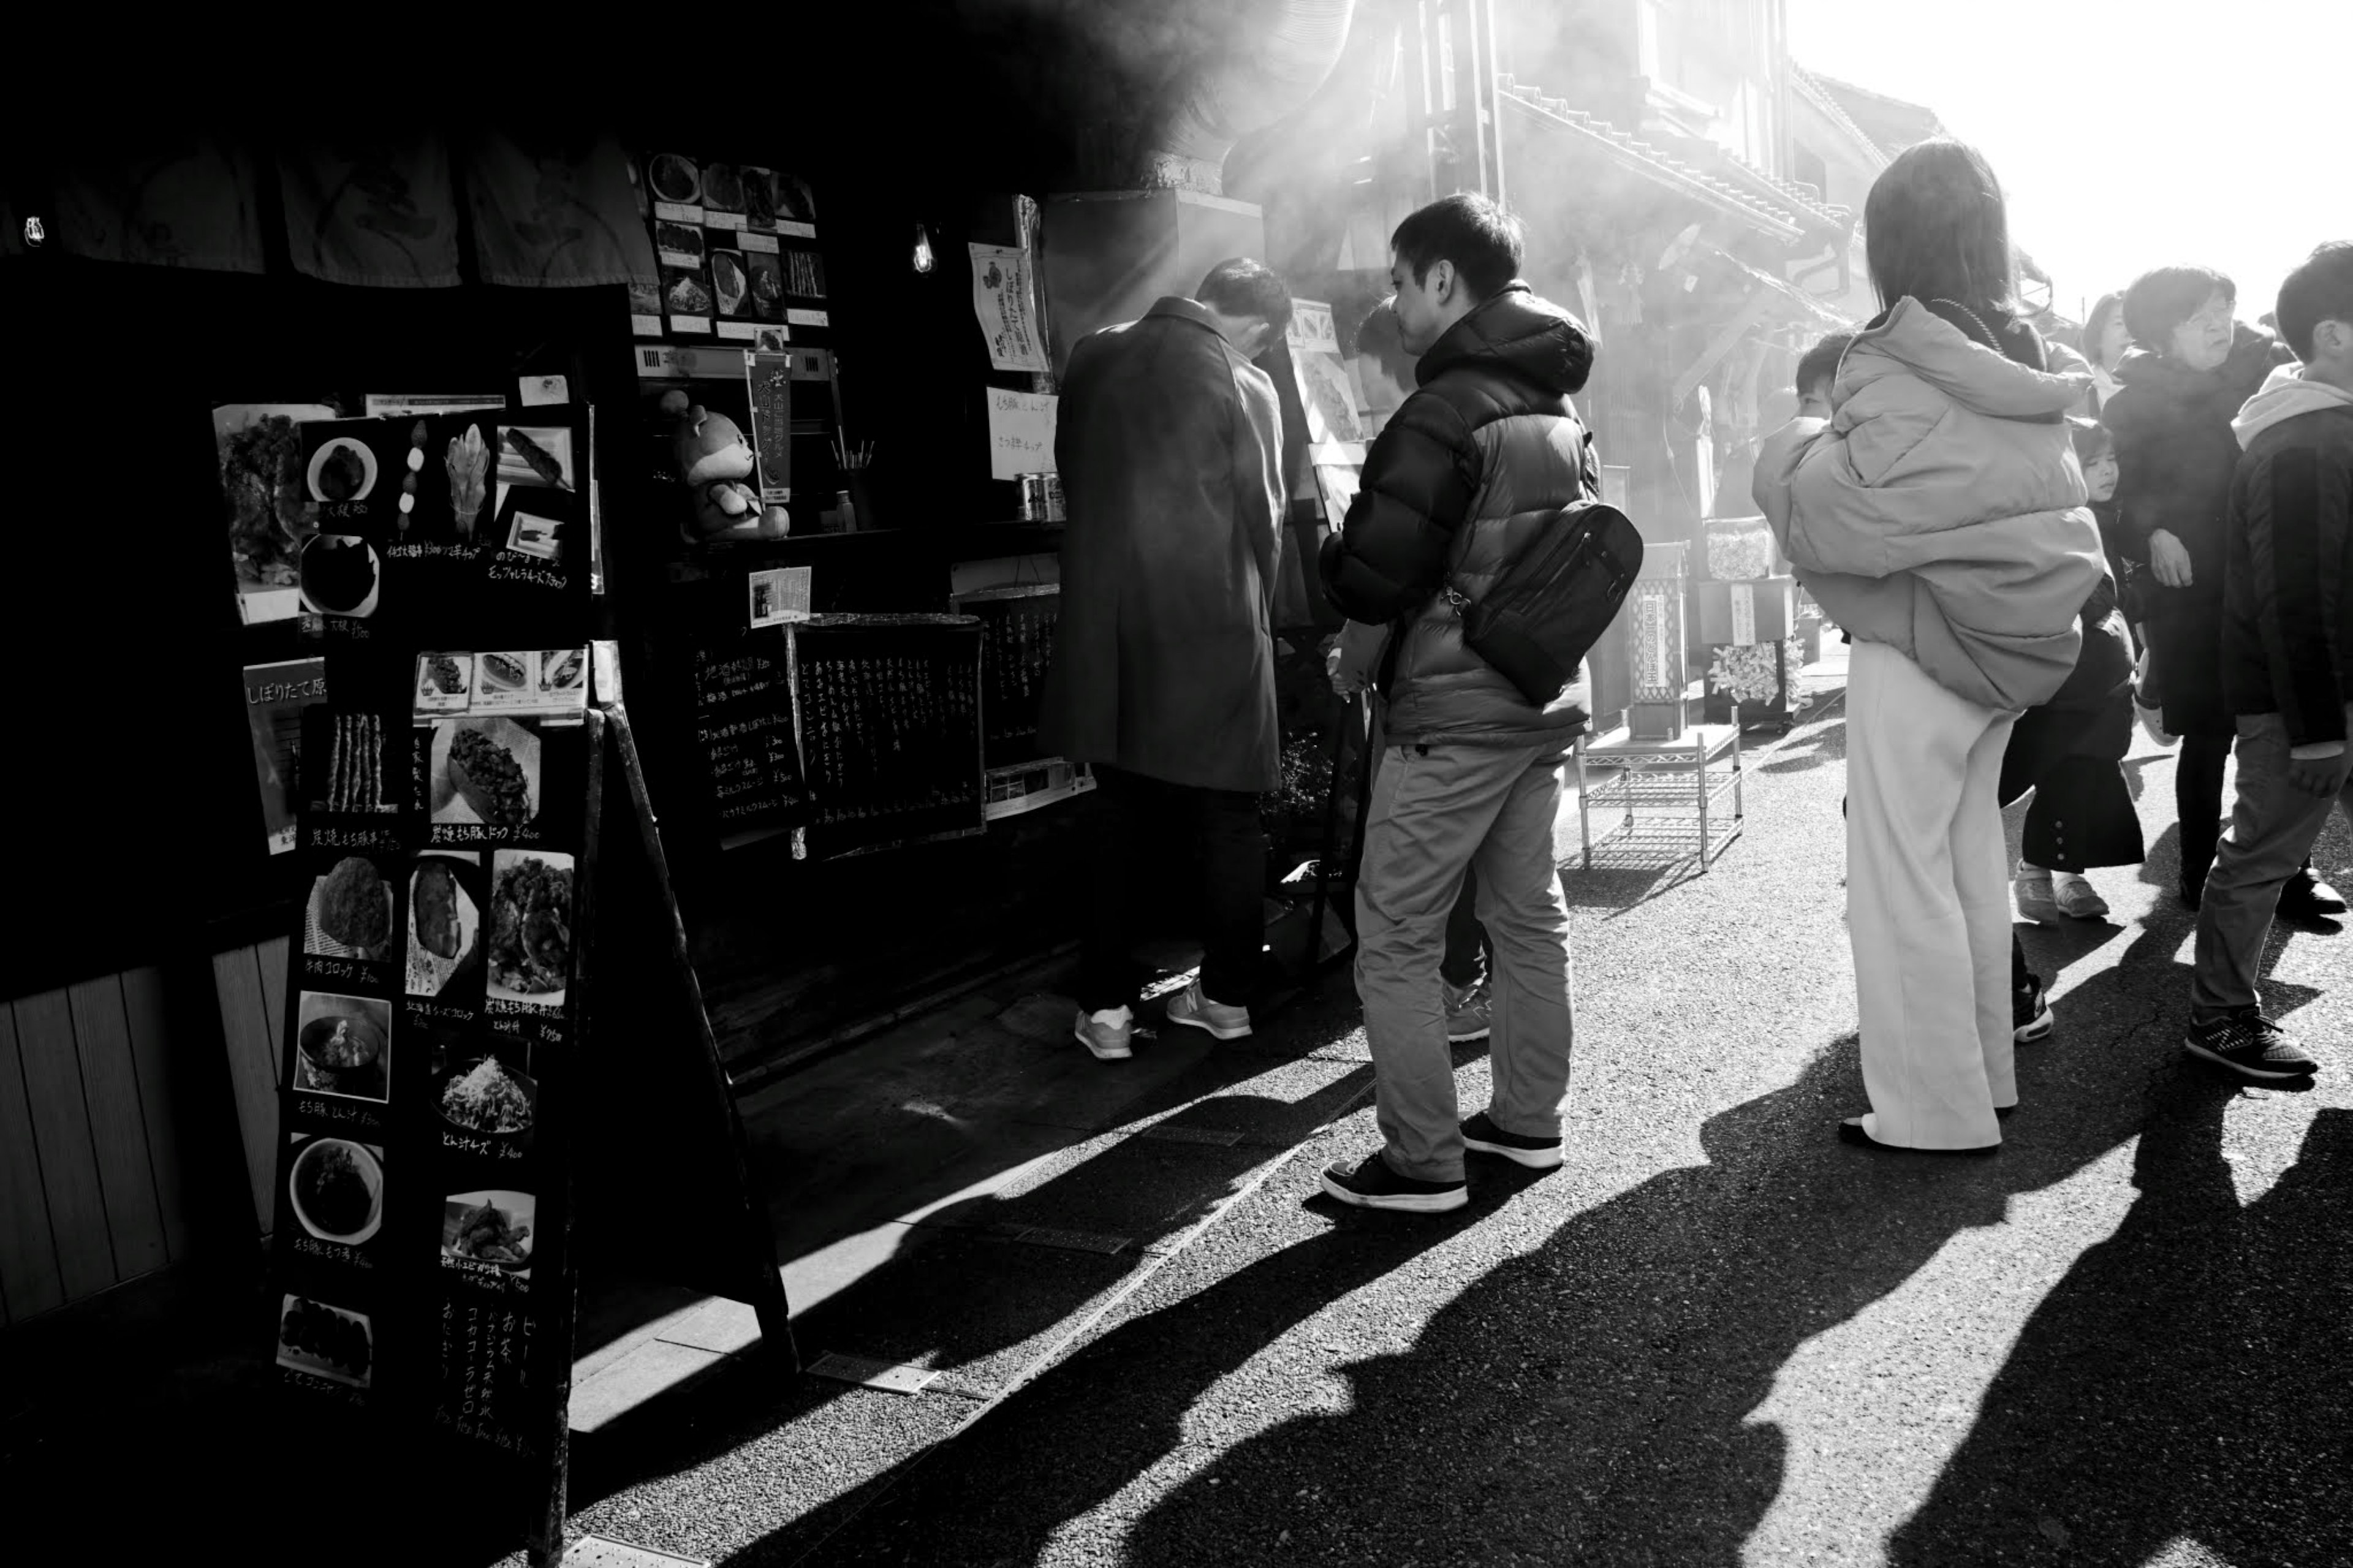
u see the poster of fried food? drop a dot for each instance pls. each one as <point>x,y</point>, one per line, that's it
<point>448,930</point>
<point>352,912</point>
<point>531,927</point>
<point>484,771</point>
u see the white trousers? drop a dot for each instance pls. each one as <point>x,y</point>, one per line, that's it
<point>1927,902</point>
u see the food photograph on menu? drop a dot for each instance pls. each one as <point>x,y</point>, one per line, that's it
<point>493,1227</point>
<point>271,507</point>
<point>484,1088</point>
<point>343,1045</point>
<point>446,935</point>
<point>337,1188</point>
<point>355,768</point>
<point>444,682</point>
<point>351,913</point>
<point>531,927</point>
<point>484,770</point>
<point>333,1343</point>
<point>340,574</point>
<point>675,179</point>
<point>562,670</point>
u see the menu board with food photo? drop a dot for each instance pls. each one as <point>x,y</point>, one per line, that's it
<point>270,509</point>
<point>343,1046</point>
<point>484,773</point>
<point>351,914</point>
<point>447,929</point>
<point>334,1197</point>
<point>319,1340</point>
<point>353,764</point>
<point>485,1096</point>
<point>531,928</point>
<point>488,1235</point>
<point>275,697</point>
<point>550,683</point>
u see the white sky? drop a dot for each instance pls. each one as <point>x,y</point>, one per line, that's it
<point>2127,133</point>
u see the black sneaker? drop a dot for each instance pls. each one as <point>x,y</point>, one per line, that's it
<point>2251,1045</point>
<point>2304,897</point>
<point>1373,1185</point>
<point>2030,1012</point>
<point>1481,1133</point>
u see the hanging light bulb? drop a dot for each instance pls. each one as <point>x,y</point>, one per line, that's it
<point>922,248</point>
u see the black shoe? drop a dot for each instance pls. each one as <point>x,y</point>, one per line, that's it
<point>1481,1133</point>
<point>2030,1012</point>
<point>2251,1045</point>
<point>1850,1131</point>
<point>1373,1185</point>
<point>2304,897</point>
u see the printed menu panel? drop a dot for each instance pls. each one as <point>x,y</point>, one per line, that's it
<point>742,698</point>
<point>431,1028</point>
<point>891,729</point>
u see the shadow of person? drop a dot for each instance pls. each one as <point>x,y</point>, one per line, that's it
<point>1588,1397</point>
<point>2188,1379</point>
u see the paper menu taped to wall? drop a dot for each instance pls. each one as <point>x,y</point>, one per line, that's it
<point>1001,299</point>
<point>1021,433</point>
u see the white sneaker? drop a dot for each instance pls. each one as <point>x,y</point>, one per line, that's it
<point>2152,723</point>
<point>1190,1007</point>
<point>1110,1035</point>
<point>2037,902</point>
<point>2076,898</point>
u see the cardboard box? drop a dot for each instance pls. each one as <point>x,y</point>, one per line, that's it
<point>1765,610</point>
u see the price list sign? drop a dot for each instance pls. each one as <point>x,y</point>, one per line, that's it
<point>1017,626</point>
<point>891,729</point>
<point>742,717</point>
<point>433,1020</point>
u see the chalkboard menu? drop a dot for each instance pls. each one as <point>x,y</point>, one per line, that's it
<point>1018,625</point>
<point>891,729</point>
<point>744,726</point>
<point>432,1019</point>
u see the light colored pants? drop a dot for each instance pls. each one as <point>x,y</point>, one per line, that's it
<point>1435,813</point>
<point>2274,827</point>
<point>1927,902</point>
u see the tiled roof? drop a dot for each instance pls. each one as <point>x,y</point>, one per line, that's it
<point>1779,219</point>
<point>1821,97</point>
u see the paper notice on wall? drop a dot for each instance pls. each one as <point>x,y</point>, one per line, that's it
<point>1021,433</point>
<point>1325,388</point>
<point>779,594</point>
<point>1001,299</point>
<point>1743,613</point>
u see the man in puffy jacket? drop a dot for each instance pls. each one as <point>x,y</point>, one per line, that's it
<point>1465,476</point>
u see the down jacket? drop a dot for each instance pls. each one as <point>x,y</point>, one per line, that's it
<point>1463,476</point>
<point>2287,617</point>
<point>1941,510</point>
<point>2175,455</point>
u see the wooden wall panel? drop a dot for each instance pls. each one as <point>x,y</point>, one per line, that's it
<point>252,1043</point>
<point>118,1126</point>
<point>29,1259</point>
<point>53,1092</point>
<point>151,1054</point>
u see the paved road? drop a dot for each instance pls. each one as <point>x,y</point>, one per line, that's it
<point>1717,1336</point>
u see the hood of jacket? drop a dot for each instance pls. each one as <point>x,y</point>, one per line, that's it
<point>1914,341</point>
<point>1532,339</point>
<point>2286,394</point>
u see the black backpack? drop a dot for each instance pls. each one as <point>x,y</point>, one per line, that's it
<point>1550,607</point>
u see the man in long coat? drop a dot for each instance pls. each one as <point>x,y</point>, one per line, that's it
<point>1170,448</point>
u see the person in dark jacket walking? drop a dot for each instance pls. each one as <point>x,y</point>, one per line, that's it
<point>2175,453</point>
<point>2287,659</point>
<point>1467,475</point>
<point>1170,448</point>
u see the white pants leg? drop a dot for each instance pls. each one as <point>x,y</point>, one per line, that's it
<point>1928,905</point>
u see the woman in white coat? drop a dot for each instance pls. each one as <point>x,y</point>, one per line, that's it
<point>1939,516</point>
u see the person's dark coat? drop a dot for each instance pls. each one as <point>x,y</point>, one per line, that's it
<point>2287,618</point>
<point>2175,455</point>
<point>1170,448</point>
<point>1465,475</point>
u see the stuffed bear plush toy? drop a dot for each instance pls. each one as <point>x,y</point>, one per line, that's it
<point>718,466</point>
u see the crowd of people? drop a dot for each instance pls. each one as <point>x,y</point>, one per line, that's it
<point>2025,544</point>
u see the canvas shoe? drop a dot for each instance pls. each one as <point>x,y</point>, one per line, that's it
<point>1481,1133</point>
<point>2076,898</point>
<point>1467,1013</point>
<point>1373,1185</point>
<point>1110,1035</point>
<point>2038,903</point>
<point>1196,1011</point>
<point>2251,1045</point>
<point>2030,1018</point>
